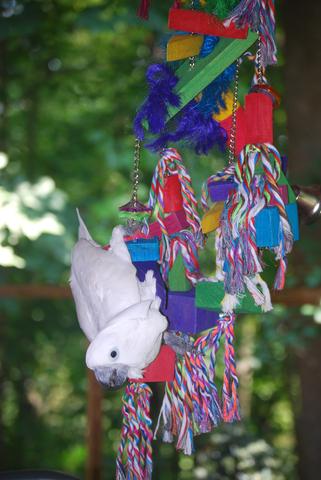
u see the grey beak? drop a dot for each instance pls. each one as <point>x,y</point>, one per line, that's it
<point>111,378</point>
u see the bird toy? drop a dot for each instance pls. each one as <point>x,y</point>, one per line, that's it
<point>148,311</point>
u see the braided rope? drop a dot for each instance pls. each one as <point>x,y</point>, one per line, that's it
<point>191,402</point>
<point>136,434</point>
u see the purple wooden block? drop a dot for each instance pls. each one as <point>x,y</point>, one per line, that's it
<point>141,269</point>
<point>184,316</point>
<point>218,191</point>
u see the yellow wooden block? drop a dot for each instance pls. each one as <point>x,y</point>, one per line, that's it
<point>211,219</point>
<point>227,111</point>
<point>183,46</point>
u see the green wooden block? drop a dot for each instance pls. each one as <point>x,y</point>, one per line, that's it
<point>177,281</point>
<point>193,81</point>
<point>209,295</point>
<point>284,181</point>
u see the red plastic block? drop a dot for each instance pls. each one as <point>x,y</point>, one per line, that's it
<point>259,118</point>
<point>173,200</point>
<point>204,23</point>
<point>161,369</point>
<point>240,128</point>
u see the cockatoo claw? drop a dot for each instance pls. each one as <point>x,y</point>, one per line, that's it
<point>179,342</point>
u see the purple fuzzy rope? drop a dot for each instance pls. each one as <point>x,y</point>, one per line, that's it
<point>161,81</point>
<point>199,131</point>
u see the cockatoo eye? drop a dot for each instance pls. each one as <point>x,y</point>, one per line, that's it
<point>114,354</point>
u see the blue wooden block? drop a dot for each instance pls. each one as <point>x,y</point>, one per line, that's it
<point>293,216</point>
<point>267,225</point>
<point>144,250</point>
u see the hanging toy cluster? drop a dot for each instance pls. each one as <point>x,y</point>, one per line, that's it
<point>149,312</point>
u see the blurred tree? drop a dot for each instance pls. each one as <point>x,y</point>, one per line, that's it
<point>303,104</point>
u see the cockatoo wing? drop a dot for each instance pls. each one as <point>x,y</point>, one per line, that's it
<point>86,320</point>
<point>106,279</point>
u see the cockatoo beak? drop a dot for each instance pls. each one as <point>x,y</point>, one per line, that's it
<point>113,377</point>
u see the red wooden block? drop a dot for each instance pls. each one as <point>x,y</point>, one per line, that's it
<point>175,222</point>
<point>161,369</point>
<point>240,128</point>
<point>204,23</point>
<point>284,195</point>
<point>173,200</point>
<point>259,118</point>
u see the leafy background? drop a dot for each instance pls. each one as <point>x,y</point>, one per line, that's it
<point>71,79</point>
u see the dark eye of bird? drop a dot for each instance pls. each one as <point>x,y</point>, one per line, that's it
<point>113,354</point>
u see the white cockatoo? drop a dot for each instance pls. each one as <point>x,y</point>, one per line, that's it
<point>118,313</point>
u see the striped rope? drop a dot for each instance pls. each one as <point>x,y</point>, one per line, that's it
<point>191,404</point>
<point>134,458</point>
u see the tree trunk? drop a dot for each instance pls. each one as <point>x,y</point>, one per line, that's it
<point>303,105</point>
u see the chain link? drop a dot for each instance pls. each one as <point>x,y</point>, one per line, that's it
<point>232,142</point>
<point>259,66</point>
<point>136,170</point>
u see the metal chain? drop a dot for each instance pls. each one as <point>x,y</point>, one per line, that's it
<point>136,175</point>
<point>259,66</point>
<point>192,59</point>
<point>232,141</point>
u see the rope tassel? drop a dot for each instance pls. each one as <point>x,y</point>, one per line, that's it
<point>230,401</point>
<point>136,435</point>
<point>259,15</point>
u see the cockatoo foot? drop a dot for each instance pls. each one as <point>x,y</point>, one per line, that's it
<point>178,341</point>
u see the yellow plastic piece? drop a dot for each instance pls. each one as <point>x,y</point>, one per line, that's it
<point>183,46</point>
<point>211,219</point>
<point>227,111</point>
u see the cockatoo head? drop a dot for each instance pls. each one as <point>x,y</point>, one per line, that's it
<point>127,345</point>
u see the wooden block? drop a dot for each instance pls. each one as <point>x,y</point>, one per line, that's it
<point>293,216</point>
<point>204,23</point>
<point>143,250</point>
<point>211,219</point>
<point>267,226</point>
<point>259,118</point>
<point>219,190</point>
<point>209,295</point>
<point>177,280</point>
<point>174,222</point>
<point>183,46</point>
<point>173,200</point>
<point>284,181</point>
<point>161,369</point>
<point>184,316</point>
<point>193,81</point>
<point>284,195</point>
